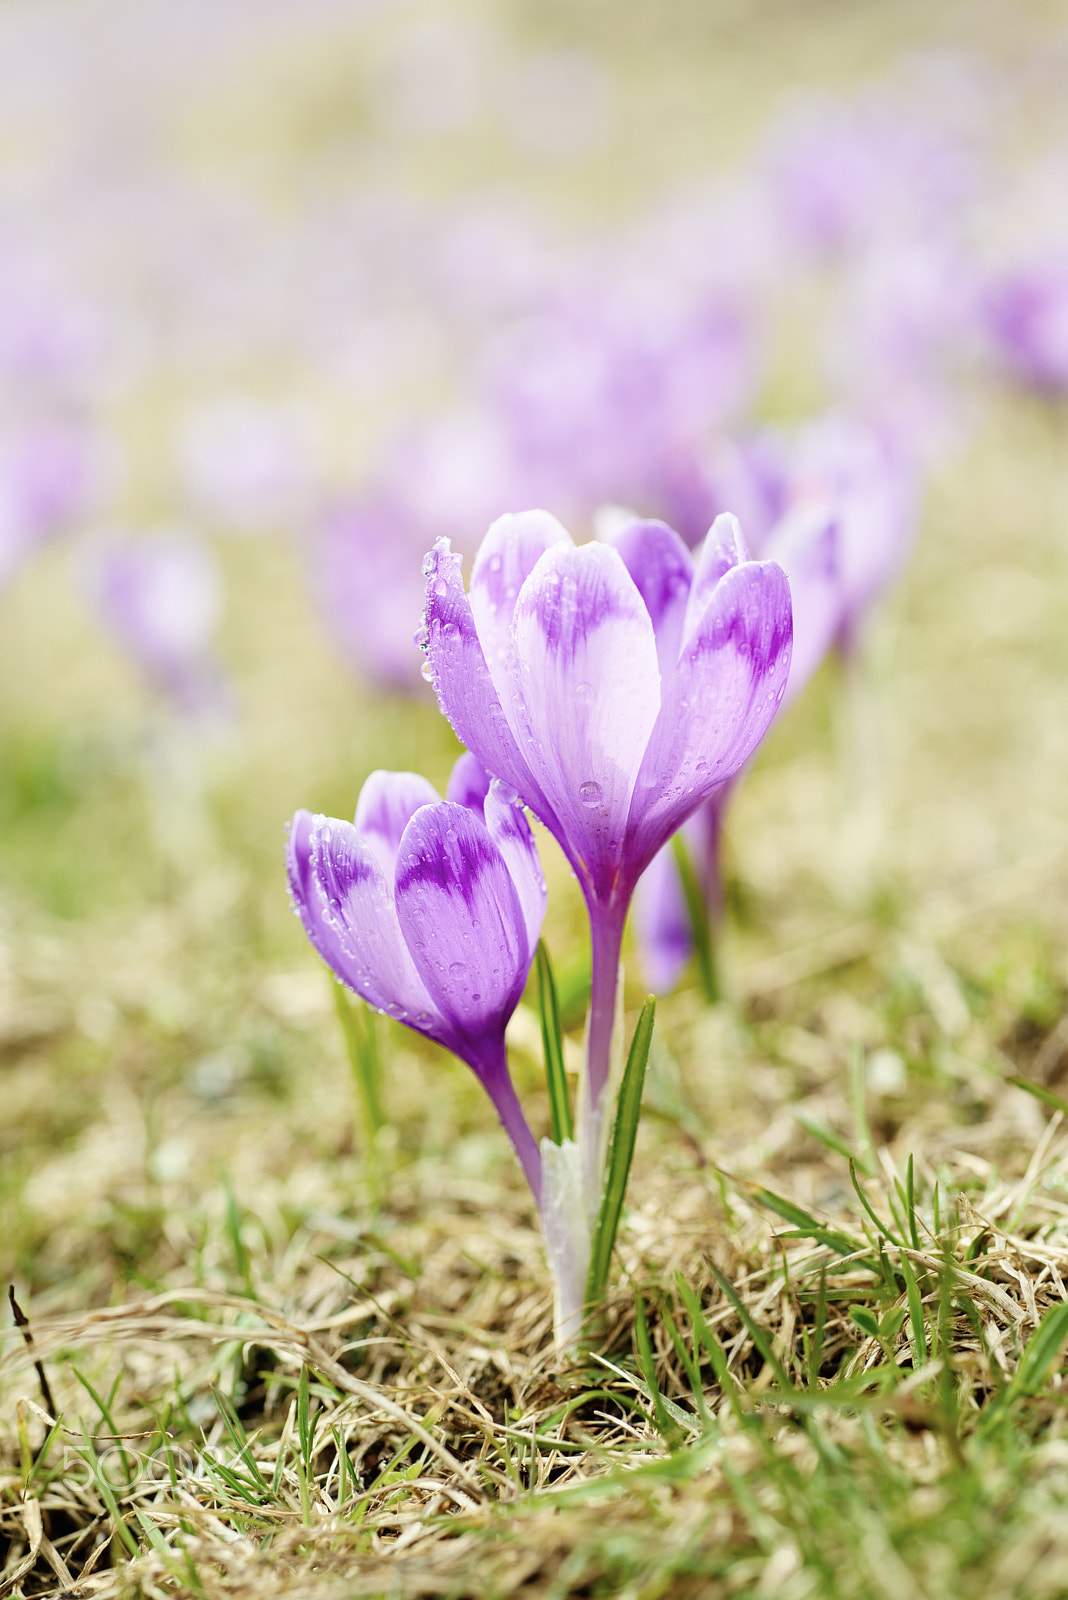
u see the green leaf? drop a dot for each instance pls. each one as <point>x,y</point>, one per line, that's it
<point>753,1328</point>
<point>669,1430</point>
<point>620,1155</point>
<point>919,1329</point>
<point>700,923</point>
<point>361,1047</point>
<point>865,1321</point>
<point>552,1043</point>
<point>1040,1092</point>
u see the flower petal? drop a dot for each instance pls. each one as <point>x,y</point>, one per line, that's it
<point>806,544</point>
<point>462,680</point>
<point>346,905</point>
<point>506,558</point>
<point>587,693</point>
<point>717,704</point>
<point>388,801</point>
<point>468,783</point>
<point>662,923</point>
<point>722,548</point>
<point>510,832</point>
<point>461,919</point>
<point>662,569</point>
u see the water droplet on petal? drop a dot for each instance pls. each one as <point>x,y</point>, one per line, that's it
<point>583,692</point>
<point>590,793</point>
<point>457,969</point>
<point>441,588</point>
<point>427,671</point>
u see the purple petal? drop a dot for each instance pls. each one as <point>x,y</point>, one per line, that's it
<point>468,783</point>
<point>344,901</point>
<point>510,832</point>
<point>723,547</point>
<point>806,545</point>
<point>662,569</point>
<point>387,803</point>
<point>506,558</point>
<point>461,677</point>
<point>587,693</point>
<point>662,923</point>
<point>717,704</point>
<point>462,921</point>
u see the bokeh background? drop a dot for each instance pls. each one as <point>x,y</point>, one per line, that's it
<point>289,291</point>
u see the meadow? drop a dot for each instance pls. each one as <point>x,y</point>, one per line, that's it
<point>267,1336</point>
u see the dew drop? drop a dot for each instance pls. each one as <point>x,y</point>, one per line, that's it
<point>427,671</point>
<point>441,588</point>
<point>583,692</point>
<point>590,793</point>
<point>457,969</point>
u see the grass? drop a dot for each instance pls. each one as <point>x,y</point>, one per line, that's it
<point>287,1322</point>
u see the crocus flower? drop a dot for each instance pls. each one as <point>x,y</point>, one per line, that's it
<point>430,910</point>
<point>1024,313</point>
<point>160,598</point>
<point>614,687</point>
<point>807,544</point>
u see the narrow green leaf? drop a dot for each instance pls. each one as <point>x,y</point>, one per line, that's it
<point>620,1155</point>
<point>826,1136</point>
<point>805,1225</point>
<point>919,1328</point>
<point>858,1097</point>
<point>361,1047</point>
<point>689,1365</point>
<point>700,922</point>
<point>552,1043</point>
<point>669,1430</point>
<point>304,1419</point>
<point>753,1328</point>
<point>910,1203</point>
<point>862,1197</point>
<point>707,1338</point>
<point>865,1321</point>
<point>1040,1092</point>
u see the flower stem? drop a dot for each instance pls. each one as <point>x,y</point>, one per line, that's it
<point>497,1081</point>
<point>606,941</point>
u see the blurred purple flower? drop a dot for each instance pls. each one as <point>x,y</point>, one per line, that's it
<point>160,598</point>
<point>246,464</point>
<point>430,910</point>
<point>614,688</point>
<point>612,396</point>
<point>51,474</point>
<point>1024,314</point>
<point>844,535</point>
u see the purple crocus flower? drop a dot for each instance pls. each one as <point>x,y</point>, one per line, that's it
<point>430,910</point>
<point>614,687</point>
<point>1024,313</point>
<point>844,535</point>
<point>160,598</point>
<point>807,544</point>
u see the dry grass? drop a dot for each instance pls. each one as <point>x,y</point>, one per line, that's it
<point>276,1362</point>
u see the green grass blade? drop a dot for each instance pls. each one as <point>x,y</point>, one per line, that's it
<point>1039,1354</point>
<point>552,1043</point>
<point>1040,1092</point>
<point>621,1153</point>
<point>912,1290</point>
<point>862,1197</point>
<point>754,1330</point>
<point>361,1047</point>
<point>700,923</point>
<point>669,1430</point>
